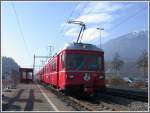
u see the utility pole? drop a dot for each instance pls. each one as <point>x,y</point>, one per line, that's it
<point>50,50</point>
<point>100,29</point>
<point>33,64</point>
<point>35,59</point>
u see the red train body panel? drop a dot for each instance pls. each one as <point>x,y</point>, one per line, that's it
<point>77,67</point>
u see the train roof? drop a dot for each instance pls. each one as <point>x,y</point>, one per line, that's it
<point>81,46</point>
<point>78,46</point>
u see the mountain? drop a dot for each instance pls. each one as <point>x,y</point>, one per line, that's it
<point>8,66</point>
<point>129,46</point>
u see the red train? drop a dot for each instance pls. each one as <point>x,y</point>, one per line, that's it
<point>77,67</point>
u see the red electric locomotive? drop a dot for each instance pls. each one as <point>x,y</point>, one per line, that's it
<point>78,67</point>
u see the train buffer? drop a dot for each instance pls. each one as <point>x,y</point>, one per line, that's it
<point>31,97</point>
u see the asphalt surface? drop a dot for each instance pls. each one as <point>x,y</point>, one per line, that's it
<point>31,97</point>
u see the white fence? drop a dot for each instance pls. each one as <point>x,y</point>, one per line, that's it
<point>8,84</point>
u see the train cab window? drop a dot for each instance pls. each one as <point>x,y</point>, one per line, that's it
<point>100,62</point>
<point>83,62</point>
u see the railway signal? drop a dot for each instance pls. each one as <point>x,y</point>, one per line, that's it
<point>83,27</point>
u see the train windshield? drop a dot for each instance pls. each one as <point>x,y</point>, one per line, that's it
<point>83,62</point>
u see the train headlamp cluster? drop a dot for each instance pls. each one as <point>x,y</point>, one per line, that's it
<point>70,76</point>
<point>85,77</point>
<point>101,77</point>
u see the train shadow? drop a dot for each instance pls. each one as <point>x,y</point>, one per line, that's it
<point>112,99</point>
<point>97,98</point>
<point>83,96</point>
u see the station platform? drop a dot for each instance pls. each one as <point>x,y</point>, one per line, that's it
<point>31,97</point>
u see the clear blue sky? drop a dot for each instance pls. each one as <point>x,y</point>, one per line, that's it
<point>43,24</point>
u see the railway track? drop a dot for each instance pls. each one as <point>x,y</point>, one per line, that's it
<point>95,103</point>
<point>80,103</point>
<point>130,94</point>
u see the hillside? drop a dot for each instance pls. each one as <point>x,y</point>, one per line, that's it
<point>129,46</point>
<point>8,65</point>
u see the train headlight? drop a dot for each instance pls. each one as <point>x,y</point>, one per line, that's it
<point>101,77</point>
<point>70,76</point>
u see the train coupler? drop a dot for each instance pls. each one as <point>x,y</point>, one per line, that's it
<point>88,90</point>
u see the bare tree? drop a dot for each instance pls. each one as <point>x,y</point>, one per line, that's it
<point>116,63</point>
<point>15,78</point>
<point>142,62</point>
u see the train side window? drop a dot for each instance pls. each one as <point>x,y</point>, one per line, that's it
<point>63,61</point>
<point>54,66</point>
<point>62,58</point>
<point>50,67</point>
<point>46,69</point>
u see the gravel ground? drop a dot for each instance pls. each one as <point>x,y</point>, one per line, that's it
<point>123,104</point>
<point>138,106</point>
